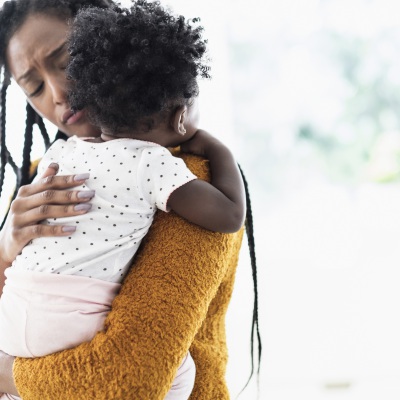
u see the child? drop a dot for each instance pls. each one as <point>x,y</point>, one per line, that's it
<point>134,71</point>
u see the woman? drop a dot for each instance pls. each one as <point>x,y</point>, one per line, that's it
<point>175,296</point>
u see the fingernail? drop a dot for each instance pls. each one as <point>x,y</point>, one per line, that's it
<point>81,177</point>
<point>83,207</point>
<point>86,194</point>
<point>53,166</point>
<point>68,228</point>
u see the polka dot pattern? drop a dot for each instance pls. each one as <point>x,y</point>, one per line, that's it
<point>131,179</point>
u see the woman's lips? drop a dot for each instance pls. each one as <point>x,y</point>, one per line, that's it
<point>70,117</point>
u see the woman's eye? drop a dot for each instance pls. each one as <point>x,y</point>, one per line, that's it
<point>37,90</point>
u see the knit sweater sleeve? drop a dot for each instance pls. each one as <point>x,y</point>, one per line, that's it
<point>166,305</point>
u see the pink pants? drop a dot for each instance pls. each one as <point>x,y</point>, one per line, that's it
<point>37,309</point>
<point>42,313</point>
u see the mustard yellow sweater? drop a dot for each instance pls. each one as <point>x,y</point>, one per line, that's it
<point>174,299</point>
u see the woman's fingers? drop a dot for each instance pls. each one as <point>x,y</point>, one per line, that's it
<point>47,211</point>
<point>52,169</point>
<point>50,182</point>
<point>49,204</point>
<point>52,189</point>
<point>53,182</point>
<point>27,233</point>
<point>22,227</point>
<point>49,197</point>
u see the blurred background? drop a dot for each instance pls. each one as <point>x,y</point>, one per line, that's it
<point>307,95</point>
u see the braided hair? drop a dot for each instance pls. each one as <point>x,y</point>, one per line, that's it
<point>255,327</point>
<point>12,16</point>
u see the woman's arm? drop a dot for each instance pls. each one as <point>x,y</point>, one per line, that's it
<point>220,204</point>
<point>7,384</point>
<point>163,304</point>
<point>48,197</point>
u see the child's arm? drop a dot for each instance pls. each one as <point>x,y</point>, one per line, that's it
<point>219,206</point>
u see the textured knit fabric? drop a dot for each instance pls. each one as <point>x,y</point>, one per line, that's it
<point>131,178</point>
<point>174,298</point>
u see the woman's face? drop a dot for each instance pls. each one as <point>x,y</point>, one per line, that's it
<point>37,57</point>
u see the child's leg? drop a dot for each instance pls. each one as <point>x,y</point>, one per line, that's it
<point>183,383</point>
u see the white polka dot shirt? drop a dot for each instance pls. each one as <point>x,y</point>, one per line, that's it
<point>132,178</point>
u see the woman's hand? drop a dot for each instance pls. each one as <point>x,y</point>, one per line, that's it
<point>49,197</point>
<point>7,384</point>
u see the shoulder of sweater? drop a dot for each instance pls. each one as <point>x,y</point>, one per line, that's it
<point>198,165</point>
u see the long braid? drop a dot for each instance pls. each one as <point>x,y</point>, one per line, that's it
<point>3,147</point>
<point>23,175</point>
<point>26,154</point>
<point>255,328</point>
<point>12,163</point>
<point>5,156</point>
<point>43,130</point>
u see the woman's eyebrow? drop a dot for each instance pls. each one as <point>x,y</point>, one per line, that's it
<point>57,50</point>
<point>25,75</point>
<point>53,53</point>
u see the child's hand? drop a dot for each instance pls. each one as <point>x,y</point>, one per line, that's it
<point>201,144</point>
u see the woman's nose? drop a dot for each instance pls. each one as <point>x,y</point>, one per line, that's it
<point>58,90</point>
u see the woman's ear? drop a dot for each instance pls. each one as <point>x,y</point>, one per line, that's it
<point>178,120</point>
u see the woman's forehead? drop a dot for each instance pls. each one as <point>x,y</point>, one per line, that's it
<point>35,40</point>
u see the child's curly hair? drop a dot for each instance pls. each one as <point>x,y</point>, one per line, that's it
<point>129,65</point>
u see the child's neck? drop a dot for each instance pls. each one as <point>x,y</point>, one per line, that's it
<point>160,134</point>
<point>105,137</point>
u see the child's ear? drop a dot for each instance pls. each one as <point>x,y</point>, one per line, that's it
<point>178,120</point>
